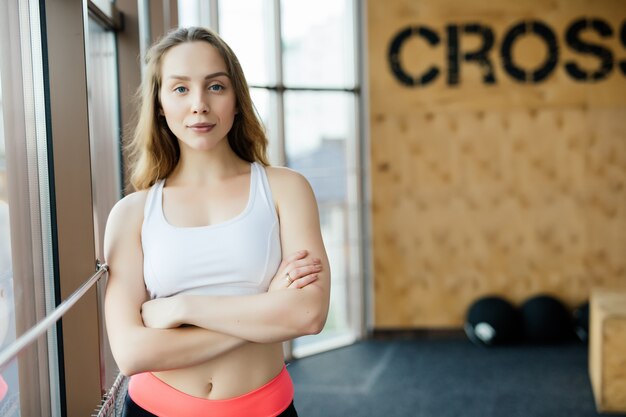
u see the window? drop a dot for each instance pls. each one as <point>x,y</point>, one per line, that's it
<point>105,148</point>
<point>9,379</point>
<point>299,59</point>
<point>26,261</point>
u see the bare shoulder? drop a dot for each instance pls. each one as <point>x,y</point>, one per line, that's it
<point>287,182</point>
<point>127,213</point>
<point>131,205</point>
<point>292,193</point>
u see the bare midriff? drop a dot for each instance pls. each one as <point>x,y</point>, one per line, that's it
<point>229,375</point>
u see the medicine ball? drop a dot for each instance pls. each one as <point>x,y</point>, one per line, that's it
<point>580,317</point>
<point>546,320</point>
<point>492,321</point>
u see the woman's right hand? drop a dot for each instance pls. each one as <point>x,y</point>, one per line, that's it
<point>296,271</point>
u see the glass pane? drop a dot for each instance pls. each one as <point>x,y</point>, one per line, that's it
<point>194,13</point>
<point>26,259</point>
<point>265,103</point>
<point>318,43</point>
<point>9,382</point>
<point>318,130</point>
<point>105,149</point>
<point>247,26</point>
<point>103,125</point>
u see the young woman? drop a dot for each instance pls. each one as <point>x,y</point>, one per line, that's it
<point>217,258</point>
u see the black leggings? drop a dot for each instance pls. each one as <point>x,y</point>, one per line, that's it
<point>131,409</point>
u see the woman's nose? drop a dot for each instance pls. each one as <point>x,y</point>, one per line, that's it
<point>200,104</point>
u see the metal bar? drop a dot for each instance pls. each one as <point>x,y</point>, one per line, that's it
<point>367,265</point>
<point>145,31</point>
<point>167,20</point>
<point>14,349</point>
<point>214,16</point>
<point>281,88</point>
<point>280,96</point>
<point>111,399</point>
<point>106,13</point>
<point>361,288</point>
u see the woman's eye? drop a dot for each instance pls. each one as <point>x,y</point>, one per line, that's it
<point>180,89</point>
<point>216,88</point>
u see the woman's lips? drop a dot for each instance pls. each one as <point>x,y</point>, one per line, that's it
<point>202,127</point>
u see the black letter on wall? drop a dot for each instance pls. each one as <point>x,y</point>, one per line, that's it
<point>545,33</point>
<point>394,56</point>
<point>622,36</point>
<point>480,56</point>
<point>576,43</point>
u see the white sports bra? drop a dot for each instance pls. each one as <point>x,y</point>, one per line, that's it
<point>238,256</point>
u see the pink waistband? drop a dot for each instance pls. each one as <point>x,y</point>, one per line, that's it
<point>155,396</point>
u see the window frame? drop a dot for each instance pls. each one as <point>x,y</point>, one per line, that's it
<point>358,281</point>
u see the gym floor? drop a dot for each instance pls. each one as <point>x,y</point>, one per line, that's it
<point>445,377</point>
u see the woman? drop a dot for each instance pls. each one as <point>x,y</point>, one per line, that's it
<point>200,293</point>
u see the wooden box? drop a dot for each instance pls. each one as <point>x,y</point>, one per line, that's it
<point>607,349</point>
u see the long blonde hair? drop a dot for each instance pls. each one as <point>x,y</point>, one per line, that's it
<point>154,150</point>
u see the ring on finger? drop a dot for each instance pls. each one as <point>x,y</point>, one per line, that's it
<point>288,278</point>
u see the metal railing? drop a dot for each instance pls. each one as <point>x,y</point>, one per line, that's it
<point>112,402</point>
<point>10,352</point>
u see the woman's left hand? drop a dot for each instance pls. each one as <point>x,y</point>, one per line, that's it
<point>296,271</point>
<point>162,313</point>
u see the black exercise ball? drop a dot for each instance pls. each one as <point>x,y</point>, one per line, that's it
<point>546,320</point>
<point>580,317</point>
<point>492,321</point>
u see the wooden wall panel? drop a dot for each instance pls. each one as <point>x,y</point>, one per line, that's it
<point>509,188</point>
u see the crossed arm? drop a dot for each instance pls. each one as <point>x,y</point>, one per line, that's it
<point>145,335</point>
<point>274,316</point>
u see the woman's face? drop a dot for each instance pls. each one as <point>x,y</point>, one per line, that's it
<point>197,96</point>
